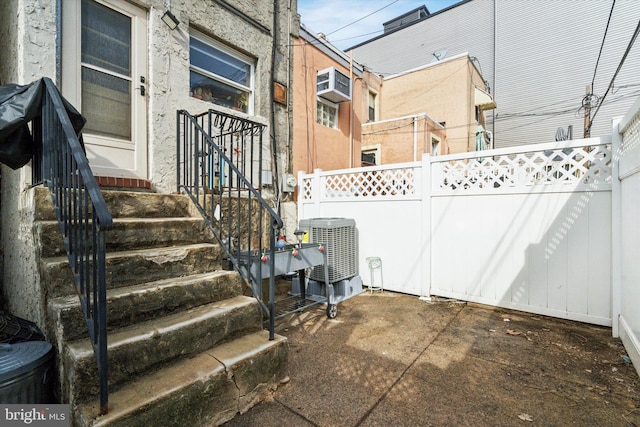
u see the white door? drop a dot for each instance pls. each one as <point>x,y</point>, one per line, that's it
<point>104,65</point>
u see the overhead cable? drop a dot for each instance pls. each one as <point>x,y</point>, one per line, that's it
<point>624,57</point>
<point>593,79</point>
<point>358,20</point>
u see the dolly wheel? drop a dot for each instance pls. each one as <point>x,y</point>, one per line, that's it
<point>332,311</point>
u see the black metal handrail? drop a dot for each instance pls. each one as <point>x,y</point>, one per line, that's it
<point>61,164</point>
<point>219,157</point>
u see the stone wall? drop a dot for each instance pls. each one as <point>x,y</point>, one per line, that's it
<point>27,43</point>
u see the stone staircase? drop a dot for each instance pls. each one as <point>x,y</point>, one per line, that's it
<point>186,345</point>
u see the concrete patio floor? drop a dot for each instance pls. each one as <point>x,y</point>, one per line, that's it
<point>390,359</point>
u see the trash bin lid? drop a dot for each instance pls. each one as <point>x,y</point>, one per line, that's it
<point>19,358</point>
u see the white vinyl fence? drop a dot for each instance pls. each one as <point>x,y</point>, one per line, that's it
<point>626,232</point>
<point>527,228</point>
<point>549,229</point>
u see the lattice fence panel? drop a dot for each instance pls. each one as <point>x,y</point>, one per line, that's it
<point>367,184</point>
<point>577,165</point>
<point>307,189</point>
<point>631,136</point>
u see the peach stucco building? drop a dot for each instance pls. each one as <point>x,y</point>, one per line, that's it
<point>451,91</point>
<point>345,116</point>
<point>330,95</point>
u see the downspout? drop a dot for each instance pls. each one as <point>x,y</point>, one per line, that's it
<point>289,167</point>
<point>274,145</point>
<point>351,110</point>
<point>58,78</point>
<point>415,138</point>
<point>495,36</point>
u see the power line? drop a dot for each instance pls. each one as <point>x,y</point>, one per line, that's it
<point>624,57</point>
<point>602,44</point>
<point>366,16</point>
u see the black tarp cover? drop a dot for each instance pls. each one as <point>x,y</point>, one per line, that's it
<point>18,106</point>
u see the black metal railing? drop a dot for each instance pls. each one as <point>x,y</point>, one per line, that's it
<point>219,158</point>
<point>61,164</point>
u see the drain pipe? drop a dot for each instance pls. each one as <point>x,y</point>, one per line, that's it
<point>415,138</point>
<point>351,110</point>
<point>274,145</point>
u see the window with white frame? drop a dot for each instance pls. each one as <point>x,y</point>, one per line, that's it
<point>435,145</point>
<point>372,106</point>
<point>327,114</point>
<point>220,75</point>
<point>369,157</point>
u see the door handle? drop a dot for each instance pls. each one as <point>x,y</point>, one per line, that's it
<point>142,88</point>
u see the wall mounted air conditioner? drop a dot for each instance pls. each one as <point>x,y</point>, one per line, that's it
<point>333,85</point>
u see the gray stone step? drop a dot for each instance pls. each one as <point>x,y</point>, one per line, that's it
<point>146,346</point>
<point>139,303</point>
<point>205,390</point>
<point>185,347</point>
<point>127,268</point>
<point>131,233</point>
<point>126,204</point>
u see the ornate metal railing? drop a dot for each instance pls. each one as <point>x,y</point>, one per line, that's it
<point>219,157</point>
<point>61,164</point>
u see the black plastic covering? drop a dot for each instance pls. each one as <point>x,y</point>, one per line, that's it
<point>18,106</point>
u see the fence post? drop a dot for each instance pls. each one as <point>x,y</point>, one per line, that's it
<point>616,228</point>
<point>425,194</point>
<point>316,191</point>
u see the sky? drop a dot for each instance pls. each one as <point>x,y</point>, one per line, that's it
<point>349,22</point>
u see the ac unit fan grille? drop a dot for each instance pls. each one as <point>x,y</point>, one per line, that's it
<point>339,238</point>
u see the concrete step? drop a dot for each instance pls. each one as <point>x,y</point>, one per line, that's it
<point>131,233</point>
<point>126,204</point>
<point>205,390</point>
<point>146,346</point>
<point>128,268</point>
<point>139,303</point>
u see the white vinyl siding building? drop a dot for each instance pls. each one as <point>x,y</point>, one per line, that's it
<point>537,57</point>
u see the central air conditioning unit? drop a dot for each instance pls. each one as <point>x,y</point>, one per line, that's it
<point>339,237</point>
<point>332,85</point>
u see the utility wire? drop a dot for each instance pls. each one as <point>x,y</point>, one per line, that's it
<point>358,20</point>
<point>624,57</point>
<point>602,44</point>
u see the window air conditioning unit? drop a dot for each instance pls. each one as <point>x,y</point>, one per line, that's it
<point>334,86</point>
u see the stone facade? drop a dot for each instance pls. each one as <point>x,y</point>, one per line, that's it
<point>30,40</point>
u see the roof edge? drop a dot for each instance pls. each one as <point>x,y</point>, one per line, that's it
<point>408,25</point>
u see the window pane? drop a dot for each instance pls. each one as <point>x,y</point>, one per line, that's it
<point>322,82</point>
<point>106,103</point>
<point>106,38</point>
<point>215,61</point>
<point>342,83</point>
<point>326,115</point>
<point>211,90</point>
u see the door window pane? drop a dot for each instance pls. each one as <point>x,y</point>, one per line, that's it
<point>106,103</point>
<point>106,92</point>
<point>106,38</point>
